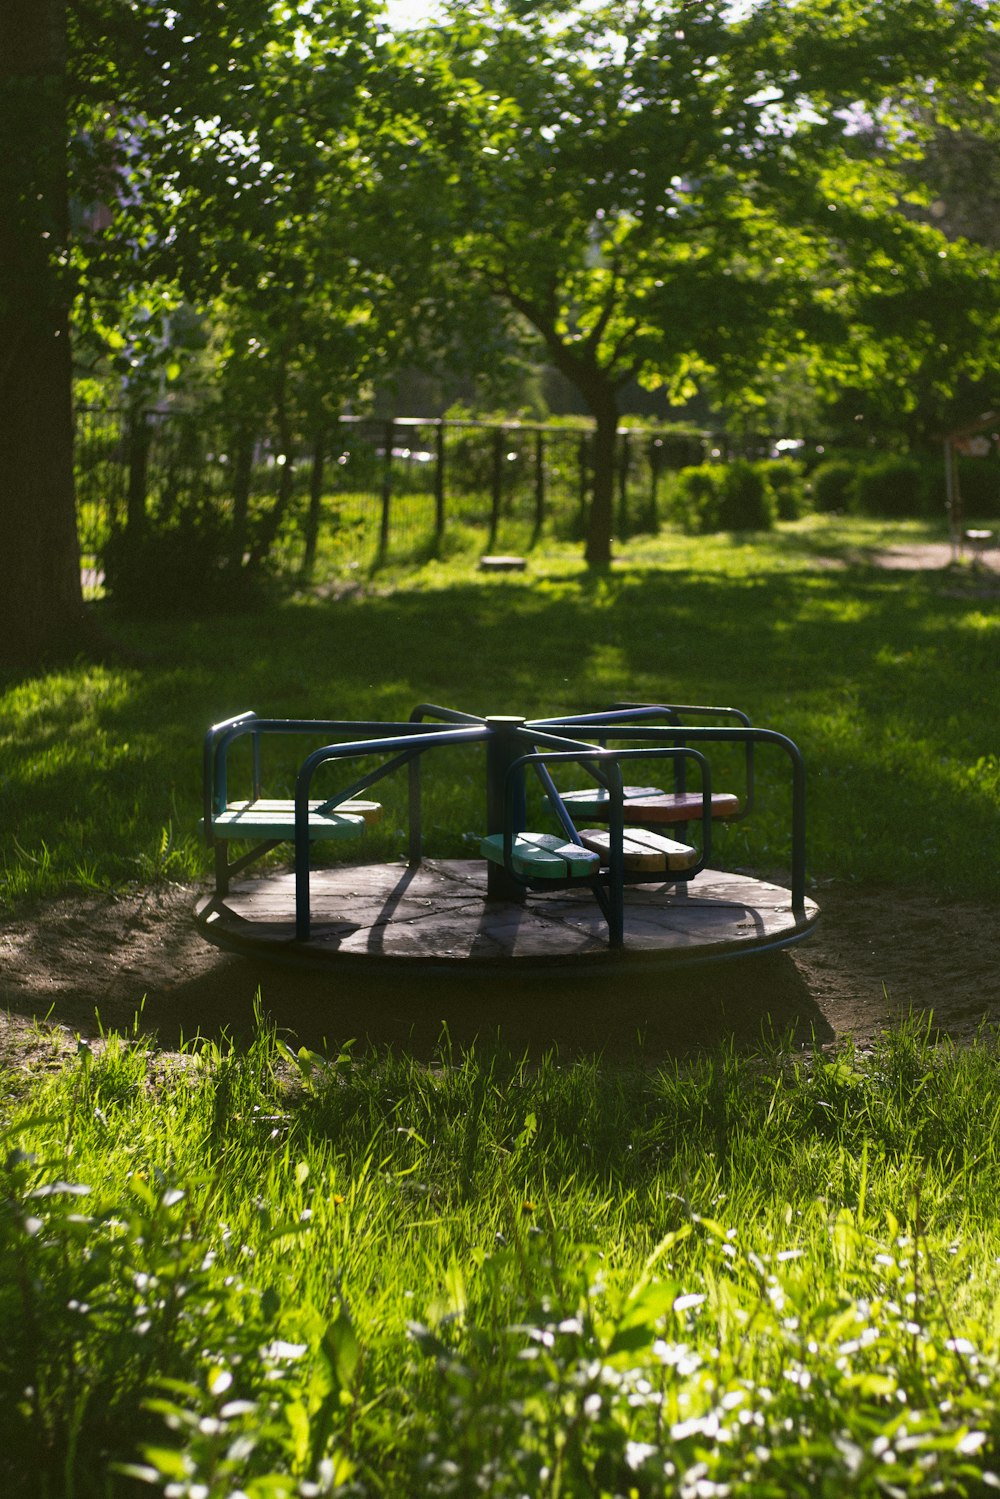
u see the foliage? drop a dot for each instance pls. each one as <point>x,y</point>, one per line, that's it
<point>734,496</point>
<point>979,483</point>
<point>785,478</point>
<point>961,164</point>
<point>890,486</point>
<point>694,213</point>
<point>279,1273</point>
<point>834,486</point>
<point>694,499</point>
<point>902,485</point>
<point>746,501</point>
<point>175,567</point>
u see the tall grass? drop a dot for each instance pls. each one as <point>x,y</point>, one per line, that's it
<point>264,1272</point>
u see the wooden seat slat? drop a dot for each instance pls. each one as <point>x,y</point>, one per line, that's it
<point>543,856</point>
<point>642,849</point>
<point>255,821</point>
<point>643,804</point>
<point>355,807</point>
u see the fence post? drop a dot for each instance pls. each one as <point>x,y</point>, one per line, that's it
<point>497,487</point>
<point>539,482</point>
<point>383,534</point>
<point>439,482</point>
<point>655,459</point>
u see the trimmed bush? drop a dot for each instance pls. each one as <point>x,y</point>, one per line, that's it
<point>979,484</point>
<point>736,496</point>
<point>890,487</point>
<point>786,479</point>
<point>746,499</point>
<point>696,500</point>
<point>833,486</point>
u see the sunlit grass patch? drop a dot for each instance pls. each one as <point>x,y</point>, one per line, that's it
<point>274,1272</point>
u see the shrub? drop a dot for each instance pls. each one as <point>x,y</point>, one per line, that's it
<point>785,478</point>
<point>732,496</point>
<point>170,567</point>
<point>747,501</point>
<point>979,486</point>
<point>833,486</point>
<point>891,486</point>
<point>695,502</point>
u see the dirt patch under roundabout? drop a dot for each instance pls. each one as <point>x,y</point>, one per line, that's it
<point>87,963</point>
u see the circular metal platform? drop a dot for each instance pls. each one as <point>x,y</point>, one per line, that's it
<point>438,916</point>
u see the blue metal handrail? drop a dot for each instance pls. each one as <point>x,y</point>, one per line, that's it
<point>619,713</point>
<point>605,766</point>
<point>401,746</point>
<point>743,735</point>
<point>222,735</point>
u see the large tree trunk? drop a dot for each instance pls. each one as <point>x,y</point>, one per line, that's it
<point>599,390</point>
<point>39,547</point>
<point>601,521</point>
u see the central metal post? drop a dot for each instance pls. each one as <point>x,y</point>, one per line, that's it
<point>503,747</point>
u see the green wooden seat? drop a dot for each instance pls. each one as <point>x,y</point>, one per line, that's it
<point>543,856</point>
<point>275,819</point>
<point>356,807</point>
<point>648,804</point>
<point>643,850</point>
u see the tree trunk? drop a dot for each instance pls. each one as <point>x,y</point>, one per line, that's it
<point>270,525</point>
<point>602,504</point>
<point>315,503</point>
<point>41,555</point>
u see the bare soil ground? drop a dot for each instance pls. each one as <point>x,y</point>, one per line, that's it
<point>81,964</point>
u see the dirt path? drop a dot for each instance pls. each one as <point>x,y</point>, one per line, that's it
<point>82,963</point>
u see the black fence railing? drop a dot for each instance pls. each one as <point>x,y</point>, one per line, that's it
<point>366,491</point>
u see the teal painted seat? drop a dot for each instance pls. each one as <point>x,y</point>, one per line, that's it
<point>543,856</point>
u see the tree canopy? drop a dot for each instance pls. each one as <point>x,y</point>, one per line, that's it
<point>683,192</point>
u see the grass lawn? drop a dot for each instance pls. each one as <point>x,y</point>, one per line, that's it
<point>886,680</point>
<point>259,1273</point>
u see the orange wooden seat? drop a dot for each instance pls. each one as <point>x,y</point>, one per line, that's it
<point>643,850</point>
<point>648,804</point>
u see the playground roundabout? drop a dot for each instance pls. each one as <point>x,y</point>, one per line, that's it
<point>568,940</point>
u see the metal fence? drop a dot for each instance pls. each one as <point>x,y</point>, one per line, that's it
<point>366,491</point>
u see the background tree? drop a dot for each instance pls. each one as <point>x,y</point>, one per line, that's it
<point>671,192</point>
<point>177,134</point>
